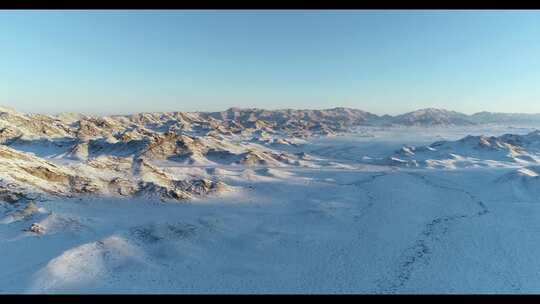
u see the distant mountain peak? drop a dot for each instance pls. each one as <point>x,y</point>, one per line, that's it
<point>432,116</point>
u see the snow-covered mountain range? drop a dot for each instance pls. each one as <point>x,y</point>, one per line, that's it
<point>252,200</point>
<point>73,154</point>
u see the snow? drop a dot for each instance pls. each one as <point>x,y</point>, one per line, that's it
<point>344,225</point>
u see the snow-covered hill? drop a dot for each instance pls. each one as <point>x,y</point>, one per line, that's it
<point>471,151</point>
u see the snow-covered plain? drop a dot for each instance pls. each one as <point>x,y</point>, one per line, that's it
<point>347,226</point>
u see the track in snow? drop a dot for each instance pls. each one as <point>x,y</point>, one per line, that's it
<point>433,232</point>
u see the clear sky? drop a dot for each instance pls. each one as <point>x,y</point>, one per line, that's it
<point>385,62</point>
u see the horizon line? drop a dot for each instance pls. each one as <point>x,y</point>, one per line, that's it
<point>10,108</point>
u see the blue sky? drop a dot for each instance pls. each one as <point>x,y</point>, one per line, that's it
<point>105,62</point>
